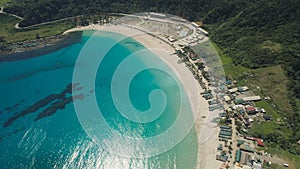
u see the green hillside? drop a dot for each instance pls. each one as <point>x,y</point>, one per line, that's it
<point>260,36</point>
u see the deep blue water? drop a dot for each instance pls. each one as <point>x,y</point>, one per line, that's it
<point>64,139</point>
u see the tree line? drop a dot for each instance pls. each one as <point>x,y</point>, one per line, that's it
<point>255,33</point>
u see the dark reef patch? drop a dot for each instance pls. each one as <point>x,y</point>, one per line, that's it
<point>59,101</point>
<point>60,104</point>
<point>12,108</point>
<point>36,71</point>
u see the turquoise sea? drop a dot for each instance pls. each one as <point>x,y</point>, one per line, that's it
<point>48,121</point>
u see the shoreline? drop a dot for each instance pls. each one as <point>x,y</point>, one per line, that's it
<point>189,83</point>
<point>23,50</point>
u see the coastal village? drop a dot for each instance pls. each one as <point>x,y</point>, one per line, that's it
<point>237,112</point>
<point>231,106</point>
<point>234,105</point>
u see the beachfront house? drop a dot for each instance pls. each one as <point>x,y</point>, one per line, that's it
<point>267,117</point>
<point>251,98</point>
<point>251,110</point>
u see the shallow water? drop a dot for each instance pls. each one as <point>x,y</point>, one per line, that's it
<point>31,138</point>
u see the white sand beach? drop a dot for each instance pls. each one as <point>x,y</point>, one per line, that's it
<point>208,146</point>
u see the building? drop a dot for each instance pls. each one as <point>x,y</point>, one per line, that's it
<point>157,15</point>
<point>171,39</point>
<point>257,165</point>
<point>229,110</point>
<point>267,117</point>
<point>243,88</point>
<point>178,19</point>
<point>240,142</point>
<point>251,120</point>
<point>247,148</point>
<point>203,31</point>
<point>195,24</point>
<point>238,101</point>
<point>251,110</point>
<point>227,98</point>
<point>223,87</point>
<point>222,158</point>
<point>241,111</point>
<point>233,90</point>
<point>247,122</point>
<point>252,98</point>
<point>249,138</point>
<point>260,142</point>
<point>238,155</point>
<point>228,82</point>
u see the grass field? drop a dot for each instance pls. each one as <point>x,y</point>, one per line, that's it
<point>272,83</point>
<point>265,128</point>
<point>293,160</point>
<point>268,107</point>
<point>10,34</point>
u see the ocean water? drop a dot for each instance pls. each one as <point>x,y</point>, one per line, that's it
<point>141,119</point>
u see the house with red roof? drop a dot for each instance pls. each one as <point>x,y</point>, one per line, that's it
<point>260,142</point>
<point>251,110</point>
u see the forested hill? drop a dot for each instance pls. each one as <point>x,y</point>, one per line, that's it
<point>264,33</point>
<point>37,11</point>
<point>256,33</point>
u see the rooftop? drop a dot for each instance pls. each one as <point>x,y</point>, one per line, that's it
<point>252,98</point>
<point>251,108</point>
